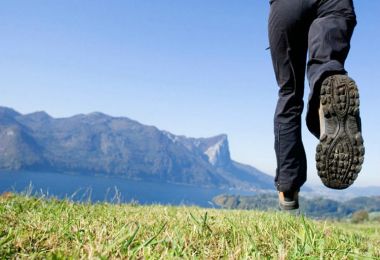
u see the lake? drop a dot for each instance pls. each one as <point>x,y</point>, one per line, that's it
<point>81,187</point>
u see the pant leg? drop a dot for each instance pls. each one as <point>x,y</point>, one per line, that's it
<point>329,43</point>
<point>288,32</point>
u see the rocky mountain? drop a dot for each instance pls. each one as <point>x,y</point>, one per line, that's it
<point>100,144</point>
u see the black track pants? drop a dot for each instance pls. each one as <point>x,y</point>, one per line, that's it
<point>324,27</point>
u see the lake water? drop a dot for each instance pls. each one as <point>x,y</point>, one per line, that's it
<point>80,187</point>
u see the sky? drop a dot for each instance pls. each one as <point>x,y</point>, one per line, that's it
<point>196,68</point>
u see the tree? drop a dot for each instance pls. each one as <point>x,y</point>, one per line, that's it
<point>359,216</point>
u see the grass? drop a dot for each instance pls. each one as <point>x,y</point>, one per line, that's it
<point>37,227</point>
<point>369,230</point>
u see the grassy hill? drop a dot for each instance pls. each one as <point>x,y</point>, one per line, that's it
<point>312,207</point>
<point>32,227</point>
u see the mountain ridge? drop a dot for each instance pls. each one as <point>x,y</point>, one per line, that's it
<point>101,144</point>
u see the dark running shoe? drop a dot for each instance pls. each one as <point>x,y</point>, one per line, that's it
<point>288,200</point>
<point>340,152</point>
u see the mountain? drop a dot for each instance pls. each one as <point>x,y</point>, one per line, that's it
<point>341,195</point>
<point>100,144</point>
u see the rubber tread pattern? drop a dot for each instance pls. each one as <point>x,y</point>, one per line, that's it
<point>340,153</point>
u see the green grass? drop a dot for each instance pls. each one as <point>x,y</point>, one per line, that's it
<point>367,229</point>
<point>32,227</point>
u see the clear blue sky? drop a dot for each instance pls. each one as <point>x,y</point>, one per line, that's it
<point>197,68</point>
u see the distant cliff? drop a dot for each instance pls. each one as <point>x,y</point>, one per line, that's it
<point>100,144</point>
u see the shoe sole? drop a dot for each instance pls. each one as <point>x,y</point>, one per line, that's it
<point>288,205</point>
<point>340,152</point>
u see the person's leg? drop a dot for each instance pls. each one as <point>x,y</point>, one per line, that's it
<point>329,43</point>
<point>288,32</point>
<point>333,114</point>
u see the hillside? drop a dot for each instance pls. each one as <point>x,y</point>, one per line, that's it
<point>313,207</point>
<point>33,227</point>
<point>100,144</point>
